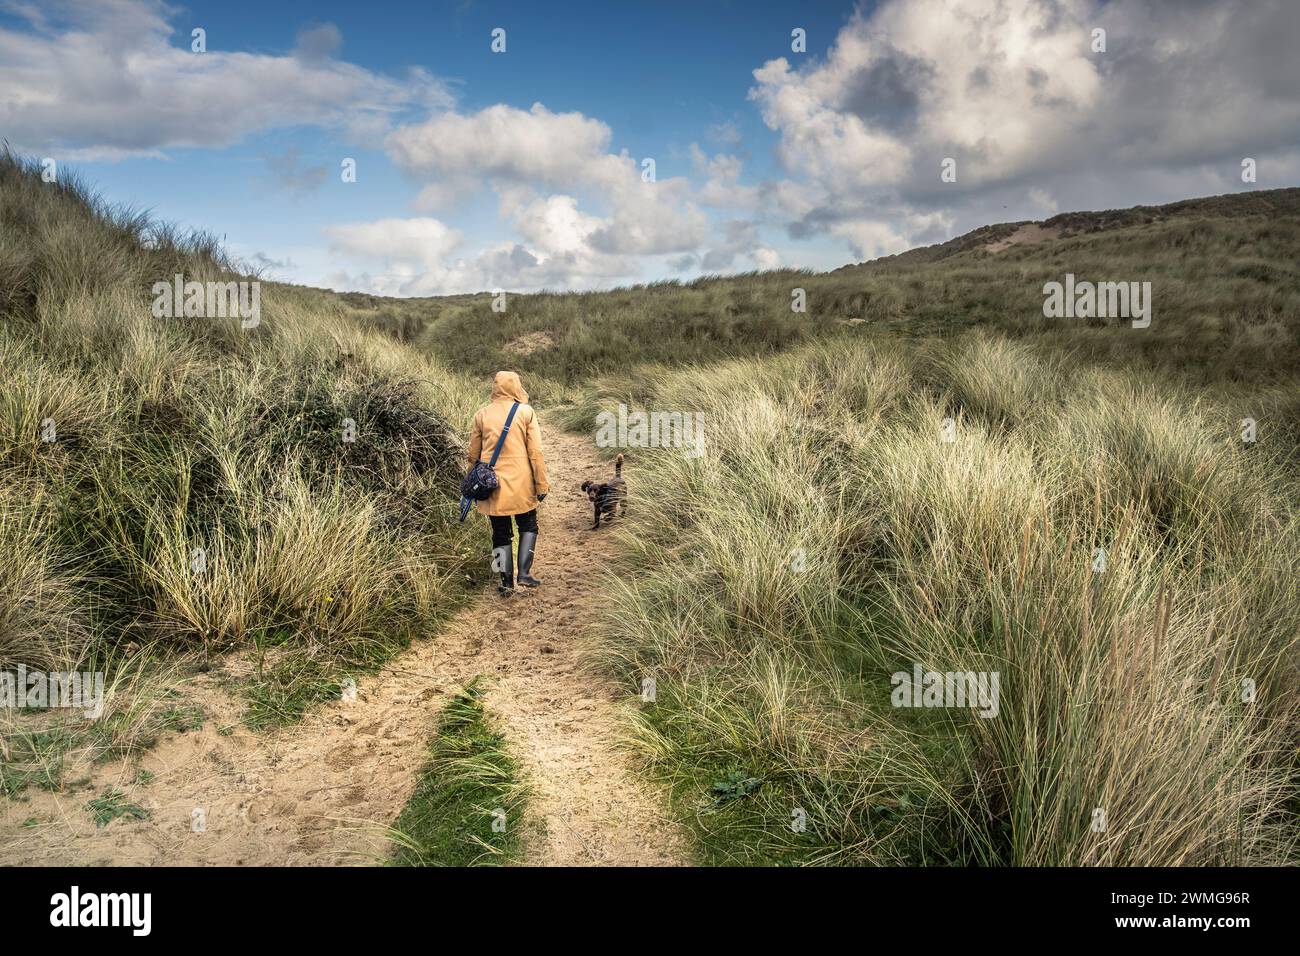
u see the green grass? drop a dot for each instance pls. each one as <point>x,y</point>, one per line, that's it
<point>32,758</point>
<point>467,809</point>
<point>112,805</point>
<point>180,435</point>
<point>282,693</point>
<point>184,719</point>
<point>1120,690</point>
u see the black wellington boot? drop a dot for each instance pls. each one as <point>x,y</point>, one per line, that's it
<point>527,545</point>
<point>503,562</point>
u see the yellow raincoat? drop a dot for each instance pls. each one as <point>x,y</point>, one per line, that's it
<point>521,469</point>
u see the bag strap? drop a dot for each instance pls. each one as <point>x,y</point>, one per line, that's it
<point>505,431</point>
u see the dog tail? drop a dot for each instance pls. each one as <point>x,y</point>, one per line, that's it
<point>618,466</point>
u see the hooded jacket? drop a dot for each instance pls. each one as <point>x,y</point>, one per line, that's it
<point>521,469</point>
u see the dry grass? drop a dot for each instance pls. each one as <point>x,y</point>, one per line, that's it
<point>177,434</point>
<point>832,537</point>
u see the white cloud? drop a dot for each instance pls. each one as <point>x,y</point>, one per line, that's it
<point>502,143</point>
<point>518,152</point>
<point>1012,90</point>
<point>1012,87</point>
<point>871,238</point>
<point>722,186</point>
<point>649,218</point>
<point>426,241</point>
<point>726,133</point>
<point>544,168</point>
<point>104,80</point>
<point>1043,200</point>
<point>423,256</point>
<point>555,225</point>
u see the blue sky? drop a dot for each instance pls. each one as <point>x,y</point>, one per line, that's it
<point>481,170</point>
<point>660,75</point>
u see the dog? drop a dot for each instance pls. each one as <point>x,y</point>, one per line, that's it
<point>609,497</point>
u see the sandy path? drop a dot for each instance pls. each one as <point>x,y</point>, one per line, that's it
<point>321,793</point>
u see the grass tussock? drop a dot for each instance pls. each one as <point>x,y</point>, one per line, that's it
<point>1105,543</point>
<point>468,805</point>
<point>194,487</point>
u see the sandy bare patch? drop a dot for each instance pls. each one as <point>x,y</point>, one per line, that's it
<point>530,343</point>
<point>322,792</point>
<point>1026,235</point>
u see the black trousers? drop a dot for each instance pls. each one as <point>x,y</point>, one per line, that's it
<point>503,534</point>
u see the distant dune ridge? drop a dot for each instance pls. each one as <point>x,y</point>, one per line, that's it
<point>1225,285</point>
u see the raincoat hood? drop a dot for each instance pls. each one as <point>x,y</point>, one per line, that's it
<point>521,467</point>
<point>507,385</point>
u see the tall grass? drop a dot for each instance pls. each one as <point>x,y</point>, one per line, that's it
<point>832,537</point>
<point>177,435</point>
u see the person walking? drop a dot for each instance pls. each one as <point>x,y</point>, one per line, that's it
<point>521,473</point>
